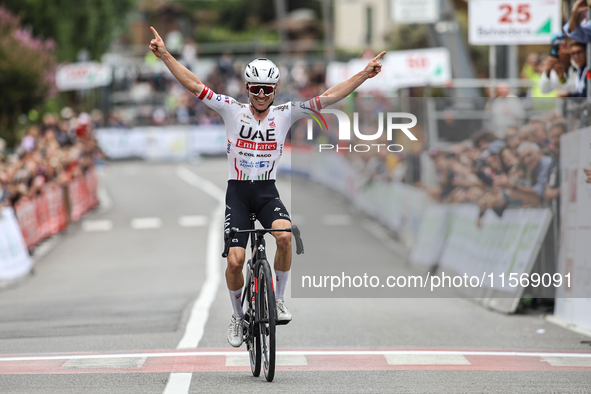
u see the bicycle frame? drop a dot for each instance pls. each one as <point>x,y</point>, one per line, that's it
<point>261,297</point>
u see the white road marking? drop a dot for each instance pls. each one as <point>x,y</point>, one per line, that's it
<point>46,247</point>
<point>300,352</point>
<point>336,220</point>
<point>241,360</point>
<point>122,362</point>
<point>195,180</point>
<point>426,359</point>
<point>146,223</point>
<point>568,361</point>
<point>180,383</point>
<point>97,225</point>
<point>193,221</point>
<point>105,200</point>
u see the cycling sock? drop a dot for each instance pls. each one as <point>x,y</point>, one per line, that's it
<point>236,297</point>
<point>281,284</point>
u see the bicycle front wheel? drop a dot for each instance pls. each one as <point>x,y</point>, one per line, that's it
<point>252,339</point>
<point>266,307</point>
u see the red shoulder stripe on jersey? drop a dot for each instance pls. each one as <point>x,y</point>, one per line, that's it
<point>318,103</point>
<point>203,92</point>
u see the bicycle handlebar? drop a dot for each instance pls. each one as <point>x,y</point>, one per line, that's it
<point>261,231</point>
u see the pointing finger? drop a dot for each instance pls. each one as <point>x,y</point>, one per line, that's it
<point>379,56</point>
<point>155,33</point>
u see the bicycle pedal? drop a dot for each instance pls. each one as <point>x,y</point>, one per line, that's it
<point>281,322</point>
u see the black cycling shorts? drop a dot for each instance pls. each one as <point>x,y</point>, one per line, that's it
<point>246,197</point>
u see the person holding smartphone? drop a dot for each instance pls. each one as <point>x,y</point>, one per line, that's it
<point>557,70</point>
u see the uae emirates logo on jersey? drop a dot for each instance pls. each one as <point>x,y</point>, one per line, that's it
<point>244,144</point>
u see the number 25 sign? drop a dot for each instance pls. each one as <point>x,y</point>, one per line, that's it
<point>513,22</point>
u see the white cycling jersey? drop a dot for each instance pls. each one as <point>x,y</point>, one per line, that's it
<point>255,147</point>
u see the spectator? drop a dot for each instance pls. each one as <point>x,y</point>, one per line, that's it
<point>573,28</point>
<point>30,140</point>
<point>552,190</point>
<point>482,139</point>
<point>578,53</point>
<point>526,134</point>
<point>588,174</point>
<point>41,159</point>
<point>445,176</point>
<point>557,71</point>
<point>533,70</point>
<point>531,155</point>
<point>513,142</point>
<point>506,110</point>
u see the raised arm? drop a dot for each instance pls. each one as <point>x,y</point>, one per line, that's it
<point>180,72</point>
<point>345,88</point>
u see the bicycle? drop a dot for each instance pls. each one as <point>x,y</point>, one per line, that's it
<point>259,315</point>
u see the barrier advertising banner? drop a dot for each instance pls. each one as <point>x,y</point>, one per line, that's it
<point>169,143</point>
<point>501,245</point>
<point>573,304</point>
<point>14,257</point>
<point>431,236</point>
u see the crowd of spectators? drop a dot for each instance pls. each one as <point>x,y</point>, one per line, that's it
<point>519,170</point>
<point>52,152</point>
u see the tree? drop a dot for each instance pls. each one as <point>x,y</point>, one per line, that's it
<point>74,24</point>
<point>27,72</point>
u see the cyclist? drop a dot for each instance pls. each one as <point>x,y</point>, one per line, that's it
<point>255,134</point>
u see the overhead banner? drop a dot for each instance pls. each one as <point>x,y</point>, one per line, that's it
<point>14,257</point>
<point>85,75</point>
<point>414,11</point>
<point>513,22</point>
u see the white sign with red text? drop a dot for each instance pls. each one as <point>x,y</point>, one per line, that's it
<point>513,22</point>
<point>401,69</point>
<point>85,75</point>
<point>420,67</point>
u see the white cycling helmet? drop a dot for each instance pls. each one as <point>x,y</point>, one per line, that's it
<point>261,71</point>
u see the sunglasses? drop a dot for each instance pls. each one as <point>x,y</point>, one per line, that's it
<point>577,53</point>
<point>256,89</point>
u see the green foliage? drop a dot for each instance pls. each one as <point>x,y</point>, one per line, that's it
<point>253,17</point>
<point>220,34</point>
<point>27,69</point>
<point>74,24</point>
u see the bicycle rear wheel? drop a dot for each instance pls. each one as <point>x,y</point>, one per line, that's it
<point>253,342</point>
<point>266,308</point>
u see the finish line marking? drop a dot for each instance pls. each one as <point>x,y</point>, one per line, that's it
<point>182,364</point>
<point>303,353</point>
